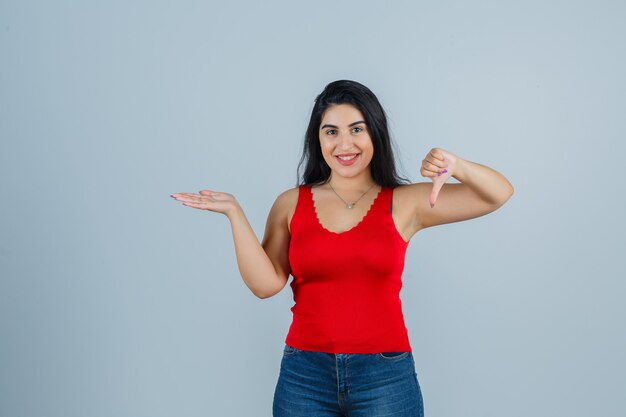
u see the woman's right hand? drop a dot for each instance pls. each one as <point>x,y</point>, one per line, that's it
<point>209,200</point>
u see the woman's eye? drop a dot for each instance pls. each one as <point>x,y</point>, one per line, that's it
<point>354,129</point>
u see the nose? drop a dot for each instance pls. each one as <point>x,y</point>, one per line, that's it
<point>345,141</point>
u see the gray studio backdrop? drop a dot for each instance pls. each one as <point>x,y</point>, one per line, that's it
<point>116,300</point>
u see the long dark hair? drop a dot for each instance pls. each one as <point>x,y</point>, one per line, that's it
<point>382,166</point>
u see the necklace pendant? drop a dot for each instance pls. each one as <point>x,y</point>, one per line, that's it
<point>350,205</point>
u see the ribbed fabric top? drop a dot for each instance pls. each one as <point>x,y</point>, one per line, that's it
<point>346,286</point>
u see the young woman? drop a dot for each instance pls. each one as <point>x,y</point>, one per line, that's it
<point>342,233</point>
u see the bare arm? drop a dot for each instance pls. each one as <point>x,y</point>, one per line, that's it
<point>481,191</point>
<point>264,269</point>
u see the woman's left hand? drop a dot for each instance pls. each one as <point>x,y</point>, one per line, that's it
<point>439,165</point>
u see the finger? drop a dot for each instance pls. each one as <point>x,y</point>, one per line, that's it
<point>192,204</point>
<point>435,167</point>
<point>207,192</point>
<point>180,196</point>
<point>435,192</point>
<point>437,155</point>
<point>204,202</point>
<point>439,162</point>
<point>433,172</point>
<point>428,173</point>
<point>429,170</point>
<point>183,195</point>
<point>195,198</point>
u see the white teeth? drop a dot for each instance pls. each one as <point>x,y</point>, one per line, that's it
<point>346,158</point>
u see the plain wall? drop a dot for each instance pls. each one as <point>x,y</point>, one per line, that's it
<point>116,300</point>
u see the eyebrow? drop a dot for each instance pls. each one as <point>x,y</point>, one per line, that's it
<point>350,125</point>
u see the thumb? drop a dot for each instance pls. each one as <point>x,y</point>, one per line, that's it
<point>435,192</point>
<point>206,192</point>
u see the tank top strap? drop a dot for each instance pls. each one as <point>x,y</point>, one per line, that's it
<point>306,200</point>
<point>381,206</point>
<point>305,211</point>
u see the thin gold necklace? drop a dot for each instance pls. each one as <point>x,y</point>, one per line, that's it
<point>350,205</point>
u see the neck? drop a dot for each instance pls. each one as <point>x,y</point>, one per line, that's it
<point>360,183</point>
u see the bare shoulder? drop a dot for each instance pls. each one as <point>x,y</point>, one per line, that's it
<point>285,205</point>
<point>288,198</point>
<point>406,198</point>
<point>408,192</point>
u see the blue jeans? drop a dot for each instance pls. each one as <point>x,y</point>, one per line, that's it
<point>318,384</point>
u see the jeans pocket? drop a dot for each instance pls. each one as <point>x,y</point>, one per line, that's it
<point>393,356</point>
<point>290,350</point>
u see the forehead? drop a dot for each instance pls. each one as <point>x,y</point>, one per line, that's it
<point>341,114</point>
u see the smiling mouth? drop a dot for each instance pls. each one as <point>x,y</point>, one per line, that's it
<point>347,157</point>
<point>348,160</point>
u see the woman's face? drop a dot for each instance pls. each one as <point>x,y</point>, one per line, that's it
<point>343,132</point>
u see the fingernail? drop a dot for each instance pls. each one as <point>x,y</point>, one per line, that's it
<point>445,170</point>
<point>439,173</point>
<point>432,205</point>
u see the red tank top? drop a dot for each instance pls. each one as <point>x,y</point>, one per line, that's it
<point>346,286</point>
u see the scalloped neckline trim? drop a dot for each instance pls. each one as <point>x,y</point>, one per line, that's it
<point>353,227</point>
